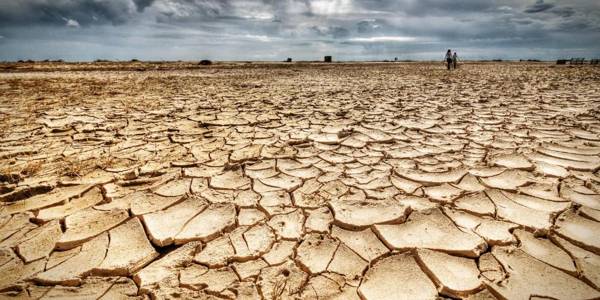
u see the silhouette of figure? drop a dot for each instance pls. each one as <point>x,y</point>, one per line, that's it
<point>455,60</point>
<point>449,59</point>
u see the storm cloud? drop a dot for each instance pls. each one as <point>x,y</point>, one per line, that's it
<point>539,6</point>
<point>302,29</point>
<point>54,12</point>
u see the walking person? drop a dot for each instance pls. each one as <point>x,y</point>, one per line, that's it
<point>449,59</point>
<point>455,60</point>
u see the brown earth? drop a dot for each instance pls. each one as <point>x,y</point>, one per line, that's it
<point>299,181</point>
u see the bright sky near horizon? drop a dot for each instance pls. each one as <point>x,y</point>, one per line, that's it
<point>301,29</point>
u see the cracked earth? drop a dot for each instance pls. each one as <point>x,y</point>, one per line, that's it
<point>272,181</point>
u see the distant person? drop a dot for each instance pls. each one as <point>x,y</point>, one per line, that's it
<point>449,58</point>
<point>454,60</point>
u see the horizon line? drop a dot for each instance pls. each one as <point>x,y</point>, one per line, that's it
<point>276,61</point>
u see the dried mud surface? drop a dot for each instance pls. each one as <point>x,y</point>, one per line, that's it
<point>299,181</point>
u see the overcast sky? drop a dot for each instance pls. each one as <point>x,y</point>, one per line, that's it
<point>301,29</point>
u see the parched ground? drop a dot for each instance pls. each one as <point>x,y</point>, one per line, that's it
<point>299,181</point>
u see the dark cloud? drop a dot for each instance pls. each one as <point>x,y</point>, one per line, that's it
<point>564,12</point>
<point>427,7</point>
<point>58,12</point>
<point>539,6</point>
<point>339,32</point>
<point>575,25</point>
<point>523,22</point>
<point>142,4</point>
<point>368,26</point>
<point>191,10</point>
<point>335,32</point>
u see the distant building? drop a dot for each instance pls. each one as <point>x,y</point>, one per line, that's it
<point>289,59</point>
<point>328,59</point>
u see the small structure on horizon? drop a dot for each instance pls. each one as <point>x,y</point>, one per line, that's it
<point>289,59</point>
<point>205,62</point>
<point>561,61</point>
<point>577,61</point>
<point>328,59</point>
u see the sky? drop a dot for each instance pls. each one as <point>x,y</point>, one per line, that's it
<point>273,30</point>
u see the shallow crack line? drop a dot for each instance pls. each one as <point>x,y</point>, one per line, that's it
<point>108,289</point>
<point>580,274</point>
<point>190,219</point>
<point>106,251</point>
<point>541,296</point>
<point>333,255</point>
<point>62,262</point>
<point>16,232</point>
<point>244,238</point>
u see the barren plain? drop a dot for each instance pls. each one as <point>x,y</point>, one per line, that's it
<point>299,181</point>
